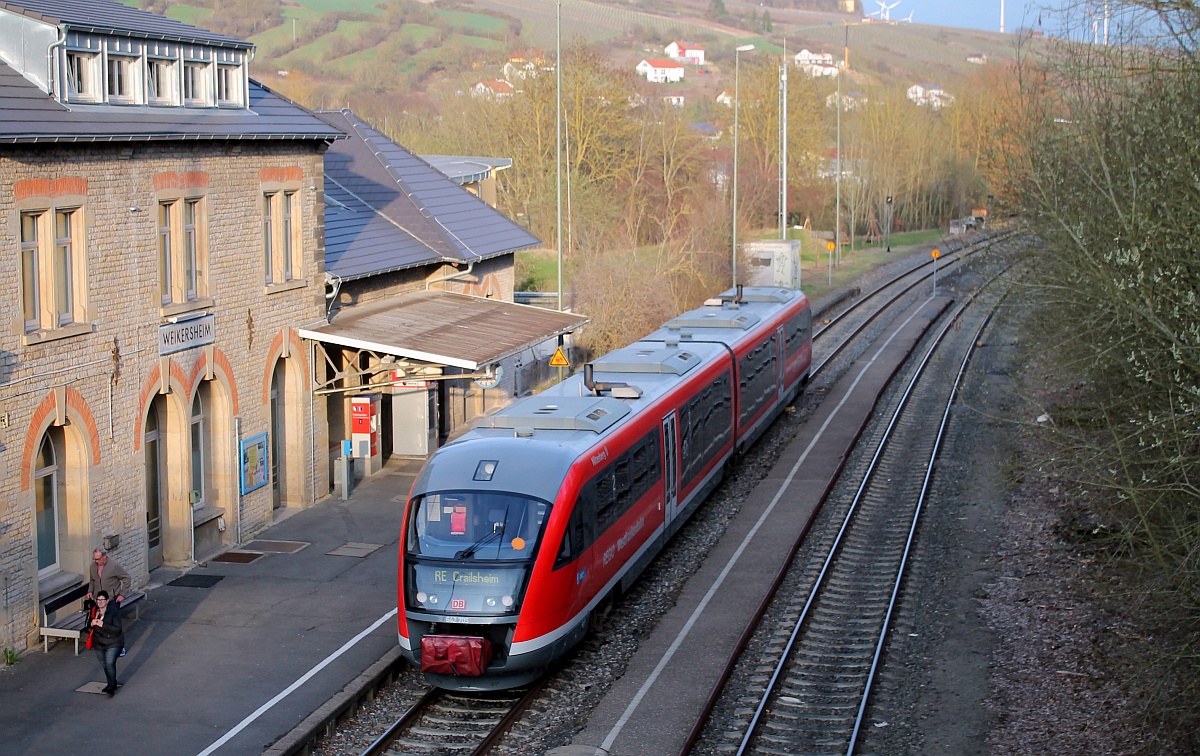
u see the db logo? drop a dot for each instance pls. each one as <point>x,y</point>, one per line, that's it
<point>458,603</point>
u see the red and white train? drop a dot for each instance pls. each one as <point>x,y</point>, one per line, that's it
<point>515,532</point>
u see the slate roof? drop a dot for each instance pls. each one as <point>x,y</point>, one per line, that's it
<point>387,209</point>
<point>108,17</point>
<point>29,115</point>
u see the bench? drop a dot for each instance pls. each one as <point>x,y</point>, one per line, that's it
<point>74,624</point>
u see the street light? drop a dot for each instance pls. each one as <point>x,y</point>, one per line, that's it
<point>737,51</point>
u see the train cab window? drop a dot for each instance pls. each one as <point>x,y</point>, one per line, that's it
<point>476,525</point>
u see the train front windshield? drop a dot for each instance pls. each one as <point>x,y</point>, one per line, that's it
<point>470,552</point>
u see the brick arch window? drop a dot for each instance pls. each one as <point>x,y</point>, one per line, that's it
<point>49,502</point>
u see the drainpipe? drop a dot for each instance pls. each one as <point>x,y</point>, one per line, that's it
<point>336,283</point>
<point>52,63</point>
<point>452,276</point>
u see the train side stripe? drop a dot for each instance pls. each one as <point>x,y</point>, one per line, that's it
<point>534,644</point>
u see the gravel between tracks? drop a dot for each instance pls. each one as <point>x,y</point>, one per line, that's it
<point>1004,641</point>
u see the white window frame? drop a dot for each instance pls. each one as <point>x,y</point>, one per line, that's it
<point>122,79</point>
<point>164,72</point>
<point>82,76</point>
<point>197,83</point>
<point>229,85</point>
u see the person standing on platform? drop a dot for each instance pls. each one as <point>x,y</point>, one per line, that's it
<point>107,638</point>
<point>106,575</point>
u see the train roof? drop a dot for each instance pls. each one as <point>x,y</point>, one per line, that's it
<point>553,428</point>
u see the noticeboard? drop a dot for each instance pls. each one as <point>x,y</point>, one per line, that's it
<point>255,473</point>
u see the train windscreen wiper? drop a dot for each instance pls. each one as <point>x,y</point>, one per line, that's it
<point>467,553</point>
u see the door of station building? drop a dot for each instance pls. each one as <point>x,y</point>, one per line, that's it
<point>414,415</point>
<point>156,481</point>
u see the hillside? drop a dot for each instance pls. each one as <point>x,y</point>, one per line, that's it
<point>332,53</point>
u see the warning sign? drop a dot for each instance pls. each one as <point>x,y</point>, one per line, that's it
<point>559,359</point>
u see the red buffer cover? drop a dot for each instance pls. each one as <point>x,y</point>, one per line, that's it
<point>465,656</point>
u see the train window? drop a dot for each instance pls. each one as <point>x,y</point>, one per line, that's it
<point>581,528</point>
<point>797,332</point>
<point>476,525</point>
<point>758,378</point>
<point>706,426</point>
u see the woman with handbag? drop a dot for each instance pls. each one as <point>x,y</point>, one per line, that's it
<point>107,636</point>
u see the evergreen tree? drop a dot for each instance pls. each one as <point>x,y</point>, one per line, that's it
<point>716,9</point>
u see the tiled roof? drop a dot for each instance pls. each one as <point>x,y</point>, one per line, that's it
<point>657,63</point>
<point>387,209</point>
<point>108,17</point>
<point>29,115</point>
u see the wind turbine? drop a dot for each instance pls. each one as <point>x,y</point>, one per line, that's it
<point>885,10</point>
<point>907,20</point>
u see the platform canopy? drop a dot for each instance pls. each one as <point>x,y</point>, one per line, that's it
<point>444,328</point>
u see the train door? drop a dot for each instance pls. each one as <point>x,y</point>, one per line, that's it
<point>781,364</point>
<point>670,458</point>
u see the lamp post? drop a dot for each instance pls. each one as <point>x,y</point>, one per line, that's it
<point>558,138</point>
<point>737,51</point>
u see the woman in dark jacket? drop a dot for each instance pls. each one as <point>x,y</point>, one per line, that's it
<point>108,638</point>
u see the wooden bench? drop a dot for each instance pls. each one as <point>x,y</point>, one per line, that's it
<point>74,625</point>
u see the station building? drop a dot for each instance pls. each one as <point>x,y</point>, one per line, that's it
<point>163,231</point>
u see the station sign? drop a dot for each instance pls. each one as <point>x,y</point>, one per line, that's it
<point>189,334</point>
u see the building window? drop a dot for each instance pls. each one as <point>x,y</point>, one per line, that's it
<point>83,76</point>
<point>182,251</point>
<point>123,85</point>
<point>52,268</point>
<point>199,438</point>
<point>281,236</point>
<point>229,85</point>
<point>195,84</point>
<point>161,84</point>
<point>47,522</point>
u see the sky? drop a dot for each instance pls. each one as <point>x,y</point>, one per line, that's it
<point>970,14</point>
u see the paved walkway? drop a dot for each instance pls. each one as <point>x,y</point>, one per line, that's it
<point>201,660</point>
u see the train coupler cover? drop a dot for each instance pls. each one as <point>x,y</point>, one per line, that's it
<point>461,655</point>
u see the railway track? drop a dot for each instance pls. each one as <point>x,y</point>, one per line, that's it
<point>824,636</point>
<point>441,722</point>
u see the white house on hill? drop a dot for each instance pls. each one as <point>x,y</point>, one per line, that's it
<point>688,52</point>
<point>930,95</point>
<point>660,70</point>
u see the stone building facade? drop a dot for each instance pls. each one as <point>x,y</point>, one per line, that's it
<point>158,253</point>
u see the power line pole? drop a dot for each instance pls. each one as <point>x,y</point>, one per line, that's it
<point>783,143</point>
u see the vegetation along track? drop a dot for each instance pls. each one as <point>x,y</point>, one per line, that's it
<point>803,686</point>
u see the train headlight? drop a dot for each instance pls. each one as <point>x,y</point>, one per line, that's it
<point>422,596</point>
<point>491,601</point>
<point>433,598</point>
<point>507,600</point>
